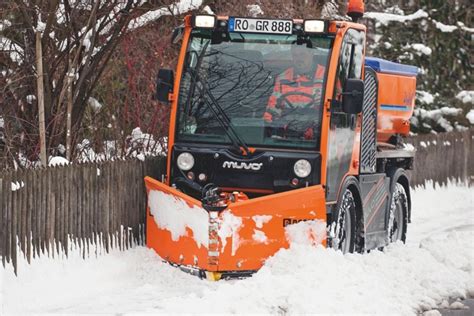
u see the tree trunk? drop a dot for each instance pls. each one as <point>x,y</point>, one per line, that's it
<point>40,88</point>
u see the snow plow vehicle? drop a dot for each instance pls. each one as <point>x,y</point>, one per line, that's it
<point>280,130</point>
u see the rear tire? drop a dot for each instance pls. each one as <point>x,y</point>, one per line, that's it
<point>343,228</point>
<point>398,220</point>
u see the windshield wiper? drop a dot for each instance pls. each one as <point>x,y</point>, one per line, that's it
<point>214,106</point>
<point>220,115</point>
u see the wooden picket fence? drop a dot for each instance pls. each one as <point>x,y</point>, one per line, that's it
<point>443,157</point>
<point>103,204</point>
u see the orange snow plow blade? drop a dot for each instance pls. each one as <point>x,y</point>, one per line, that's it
<point>237,239</point>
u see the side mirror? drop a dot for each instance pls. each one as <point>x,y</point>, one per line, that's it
<point>353,96</point>
<point>164,85</point>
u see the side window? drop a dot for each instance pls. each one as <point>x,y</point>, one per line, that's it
<point>343,70</point>
<point>357,41</point>
<point>350,60</point>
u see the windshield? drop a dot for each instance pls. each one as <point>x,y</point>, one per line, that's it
<point>263,89</point>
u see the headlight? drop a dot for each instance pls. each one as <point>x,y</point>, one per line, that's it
<point>315,26</point>
<point>302,168</point>
<point>185,161</point>
<point>204,21</point>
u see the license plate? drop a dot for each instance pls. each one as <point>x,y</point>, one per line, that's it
<point>260,26</point>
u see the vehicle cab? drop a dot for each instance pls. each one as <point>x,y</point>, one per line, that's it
<point>248,114</point>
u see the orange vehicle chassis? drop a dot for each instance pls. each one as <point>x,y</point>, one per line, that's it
<point>236,240</point>
<point>287,188</point>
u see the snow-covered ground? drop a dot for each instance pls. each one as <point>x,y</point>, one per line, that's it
<point>435,264</point>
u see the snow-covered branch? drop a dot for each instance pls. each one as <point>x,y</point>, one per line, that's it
<point>177,8</point>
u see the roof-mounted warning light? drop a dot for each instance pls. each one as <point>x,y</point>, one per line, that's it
<point>204,21</point>
<point>355,9</point>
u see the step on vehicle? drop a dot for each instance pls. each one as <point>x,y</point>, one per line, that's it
<point>279,129</point>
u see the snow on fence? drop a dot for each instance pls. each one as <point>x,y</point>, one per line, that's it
<point>103,204</point>
<point>43,210</point>
<point>443,157</point>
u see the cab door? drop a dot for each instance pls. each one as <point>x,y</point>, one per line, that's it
<point>343,131</point>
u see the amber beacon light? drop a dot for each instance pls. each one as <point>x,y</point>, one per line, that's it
<point>355,9</point>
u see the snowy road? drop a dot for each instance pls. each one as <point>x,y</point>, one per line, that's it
<point>437,263</point>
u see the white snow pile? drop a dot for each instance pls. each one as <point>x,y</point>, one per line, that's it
<point>177,8</point>
<point>143,144</point>
<point>298,233</point>
<point>138,145</point>
<point>57,161</point>
<point>387,45</point>
<point>254,10</point>
<point>181,219</point>
<point>464,27</point>
<point>466,96</point>
<point>94,104</point>
<point>451,28</point>
<point>385,18</point>
<point>260,220</point>
<point>470,116</point>
<point>40,26</point>
<point>395,14</point>
<point>17,185</point>
<point>421,49</point>
<point>86,151</point>
<point>437,117</point>
<point>88,154</point>
<point>24,162</point>
<point>424,97</point>
<point>259,236</point>
<point>4,24</point>
<point>228,227</point>
<point>444,28</point>
<point>176,216</point>
<point>14,50</point>
<point>409,147</point>
<point>436,263</point>
<point>449,111</point>
<point>86,42</point>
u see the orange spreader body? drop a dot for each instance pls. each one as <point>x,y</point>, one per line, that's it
<point>239,238</point>
<point>396,102</point>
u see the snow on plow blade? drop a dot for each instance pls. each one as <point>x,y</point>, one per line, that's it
<point>237,239</point>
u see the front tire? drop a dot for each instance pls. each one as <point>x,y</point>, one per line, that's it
<point>398,220</point>
<point>343,228</point>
